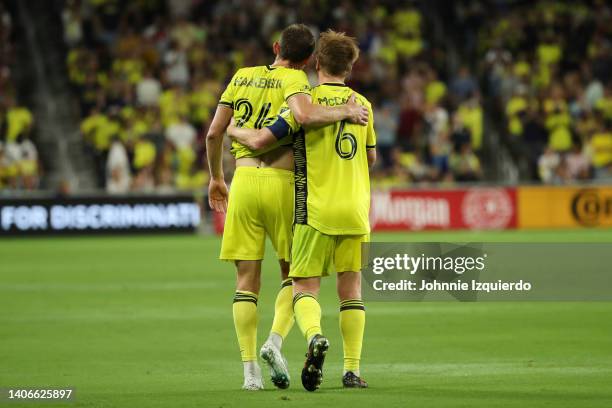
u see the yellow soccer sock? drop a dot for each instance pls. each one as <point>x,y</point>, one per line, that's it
<point>245,322</point>
<point>352,324</point>
<point>307,314</point>
<point>283,310</point>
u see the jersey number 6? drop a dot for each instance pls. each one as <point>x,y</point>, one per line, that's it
<point>341,138</point>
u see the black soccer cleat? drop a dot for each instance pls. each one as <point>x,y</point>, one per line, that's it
<point>350,380</point>
<point>312,373</point>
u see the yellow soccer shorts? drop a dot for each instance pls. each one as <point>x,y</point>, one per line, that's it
<point>314,254</point>
<point>260,203</point>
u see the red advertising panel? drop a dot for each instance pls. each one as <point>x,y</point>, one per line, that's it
<point>472,208</point>
<point>415,210</point>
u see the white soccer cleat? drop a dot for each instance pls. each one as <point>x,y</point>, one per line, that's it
<point>279,371</point>
<point>253,384</point>
<point>252,378</point>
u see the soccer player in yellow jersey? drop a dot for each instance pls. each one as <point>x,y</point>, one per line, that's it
<point>261,199</point>
<point>332,196</point>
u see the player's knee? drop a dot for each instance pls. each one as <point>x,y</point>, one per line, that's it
<point>306,285</point>
<point>349,285</point>
<point>248,284</point>
<point>284,268</point>
<point>248,276</point>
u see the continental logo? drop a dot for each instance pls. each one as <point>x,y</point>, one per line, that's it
<point>590,207</point>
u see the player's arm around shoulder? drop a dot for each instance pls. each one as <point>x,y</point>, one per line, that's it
<point>309,115</point>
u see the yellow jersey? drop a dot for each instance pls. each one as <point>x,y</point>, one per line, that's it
<point>332,179</point>
<point>256,94</point>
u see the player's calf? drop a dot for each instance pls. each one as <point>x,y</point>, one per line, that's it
<point>352,325</point>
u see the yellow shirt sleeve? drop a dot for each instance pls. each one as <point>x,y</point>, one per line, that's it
<point>297,82</point>
<point>227,97</point>
<point>290,119</point>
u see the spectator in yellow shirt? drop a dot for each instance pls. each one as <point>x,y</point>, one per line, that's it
<point>465,165</point>
<point>470,112</point>
<point>19,121</point>
<point>600,147</point>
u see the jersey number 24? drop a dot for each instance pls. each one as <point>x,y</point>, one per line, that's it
<point>262,119</point>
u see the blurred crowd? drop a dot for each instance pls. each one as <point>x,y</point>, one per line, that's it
<point>148,75</point>
<point>547,66</point>
<point>146,89</point>
<point>431,131</point>
<point>19,165</point>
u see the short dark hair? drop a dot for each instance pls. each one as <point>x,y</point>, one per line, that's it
<point>296,43</point>
<point>337,52</point>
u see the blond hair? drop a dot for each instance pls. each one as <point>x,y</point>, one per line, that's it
<point>336,53</point>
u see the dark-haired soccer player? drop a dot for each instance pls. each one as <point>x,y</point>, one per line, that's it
<point>261,198</point>
<point>332,194</point>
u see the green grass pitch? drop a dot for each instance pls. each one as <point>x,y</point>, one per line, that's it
<point>144,322</point>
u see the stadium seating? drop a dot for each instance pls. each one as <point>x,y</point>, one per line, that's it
<point>143,66</point>
<point>147,75</point>
<point>19,164</point>
<point>547,68</point>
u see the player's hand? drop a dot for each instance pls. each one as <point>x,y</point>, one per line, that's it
<point>217,195</point>
<point>357,113</point>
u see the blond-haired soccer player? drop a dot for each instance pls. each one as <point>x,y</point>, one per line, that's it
<point>261,199</point>
<point>332,195</point>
